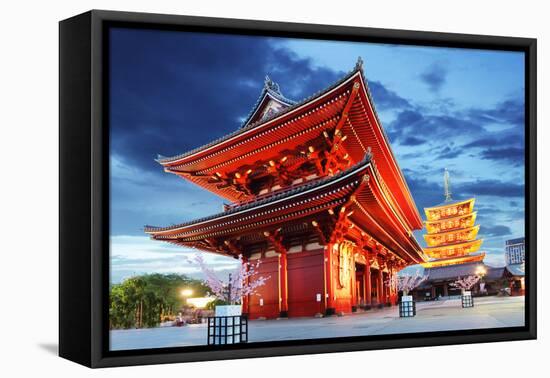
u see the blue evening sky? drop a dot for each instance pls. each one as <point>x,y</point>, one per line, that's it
<point>459,109</point>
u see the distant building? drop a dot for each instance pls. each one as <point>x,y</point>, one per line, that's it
<point>515,262</point>
<point>515,251</point>
<point>453,247</point>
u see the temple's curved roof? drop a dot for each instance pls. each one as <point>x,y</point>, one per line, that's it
<point>247,126</point>
<point>276,196</point>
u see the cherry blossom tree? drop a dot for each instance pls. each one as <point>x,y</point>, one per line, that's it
<point>244,281</point>
<point>406,282</point>
<point>465,283</point>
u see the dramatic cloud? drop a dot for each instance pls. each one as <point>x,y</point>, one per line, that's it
<point>167,86</point>
<point>434,76</point>
<point>511,111</point>
<point>172,92</point>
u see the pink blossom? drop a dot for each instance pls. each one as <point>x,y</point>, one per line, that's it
<point>465,283</point>
<point>244,281</point>
<point>406,282</point>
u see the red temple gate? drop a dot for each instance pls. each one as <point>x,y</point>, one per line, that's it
<point>317,196</point>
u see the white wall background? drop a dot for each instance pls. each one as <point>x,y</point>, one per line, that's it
<point>29,176</point>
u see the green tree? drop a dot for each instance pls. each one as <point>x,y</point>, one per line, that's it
<point>145,300</point>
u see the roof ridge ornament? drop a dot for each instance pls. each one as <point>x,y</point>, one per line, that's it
<point>359,64</point>
<point>447,185</point>
<point>271,85</point>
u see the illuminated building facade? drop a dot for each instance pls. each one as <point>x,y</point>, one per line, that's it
<point>515,251</point>
<point>315,194</point>
<point>451,232</point>
<point>452,244</point>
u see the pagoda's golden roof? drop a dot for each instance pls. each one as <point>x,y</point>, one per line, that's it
<point>449,204</point>
<point>454,261</point>
<point>458,217</point>
<point>437,239</point>
<point>449,210</point>
<point>464,247</point>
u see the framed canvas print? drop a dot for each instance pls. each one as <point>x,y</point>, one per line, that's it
<point>233,188</point>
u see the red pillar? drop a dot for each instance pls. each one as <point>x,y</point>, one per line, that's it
<point>353,279</point>
<point>283,285</point>
<point>329,287</point>
<point>368,285</point>
<point>380,284</point>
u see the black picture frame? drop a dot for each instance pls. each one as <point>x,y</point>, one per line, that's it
<point>84,188</point>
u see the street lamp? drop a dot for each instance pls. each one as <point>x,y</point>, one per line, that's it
<point>480,272</point>
<point>186,292</point>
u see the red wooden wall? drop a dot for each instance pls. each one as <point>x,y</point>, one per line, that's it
<point>305,281</point>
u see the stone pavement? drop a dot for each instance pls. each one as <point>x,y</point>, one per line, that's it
<point>444,315</point>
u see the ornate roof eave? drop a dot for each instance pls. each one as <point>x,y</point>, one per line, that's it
<point>284,194</point>
<point>452,231</point>
<point>476,243</point>
<point>413,216</point>
<point>450,261</point>
<point>441,220</point>
<point>229,222</point>
<point>359,68</point>
<point>450,203</point>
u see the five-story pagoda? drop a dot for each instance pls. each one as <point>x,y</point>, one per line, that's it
<point>452,231</point>
<point>316,194</point>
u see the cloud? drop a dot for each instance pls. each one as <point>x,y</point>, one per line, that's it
<point>510,111</point>
<point>134,255</point>
<point>514,156</point>
<point>496,230</point>
<point>173,91</point>
<point>412,141</point>
<point>412,123</point>
<point>385,98</point>
<point>449,152</point>
<point>491,187</point>
<point>434,76</point>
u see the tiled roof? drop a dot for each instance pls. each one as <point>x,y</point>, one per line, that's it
<point>516,269</point>
<point>276,196</point>
<point>494,273</point>
<point>451,271</point>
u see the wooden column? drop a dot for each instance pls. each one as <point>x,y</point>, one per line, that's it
<point>329,287</point>
<point>353,279</point>
<point>368,286</point>
<point>276,241</point>
<point>283,285</point>
<point>380,284</point>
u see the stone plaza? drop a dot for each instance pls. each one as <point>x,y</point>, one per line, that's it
<point>442,315</point>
